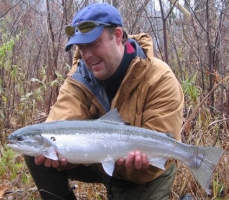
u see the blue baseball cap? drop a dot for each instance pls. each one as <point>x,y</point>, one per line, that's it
<point>101,15</point>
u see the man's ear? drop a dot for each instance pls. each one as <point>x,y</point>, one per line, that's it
<point>118,34</point>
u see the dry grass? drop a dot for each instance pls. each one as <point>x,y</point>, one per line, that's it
<point>204,130</point>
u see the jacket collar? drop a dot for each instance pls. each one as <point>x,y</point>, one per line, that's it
<point>85,77</point>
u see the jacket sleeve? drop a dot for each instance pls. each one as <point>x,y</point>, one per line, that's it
<point>72,103</point>
<point>163,112</point>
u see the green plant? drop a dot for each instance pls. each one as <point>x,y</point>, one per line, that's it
<point>9,166</point>
<point>217,188</point>
<point>6,48</point>
<point>191,91</point>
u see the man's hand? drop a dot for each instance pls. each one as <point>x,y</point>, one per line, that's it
<point>135,161</point>
<point>39,160</point>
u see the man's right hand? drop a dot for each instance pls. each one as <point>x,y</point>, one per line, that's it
<point>39,160</point>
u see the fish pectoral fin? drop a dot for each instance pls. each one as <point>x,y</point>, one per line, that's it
<point>158,162</point>
<point>109,166</point>
<point>51,153</point>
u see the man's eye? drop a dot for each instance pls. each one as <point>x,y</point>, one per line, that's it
<point>94,44</point>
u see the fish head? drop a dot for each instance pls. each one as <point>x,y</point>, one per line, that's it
<point>28,141</point>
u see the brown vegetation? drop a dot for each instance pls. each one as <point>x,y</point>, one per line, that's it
<point>193,39</point>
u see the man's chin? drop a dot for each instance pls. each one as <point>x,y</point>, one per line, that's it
<point>98,73</point>
<point>99,76</point>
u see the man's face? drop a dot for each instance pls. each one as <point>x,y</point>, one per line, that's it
<point>104,55</point>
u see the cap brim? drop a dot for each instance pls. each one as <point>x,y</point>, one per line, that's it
<point>84,38</point>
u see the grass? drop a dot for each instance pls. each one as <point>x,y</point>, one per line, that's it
<point>10,165</point>
<point>14,176</point>
<point>204,130</point>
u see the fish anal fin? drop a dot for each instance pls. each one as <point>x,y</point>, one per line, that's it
<point>158,162</point>
<point>108,167</point>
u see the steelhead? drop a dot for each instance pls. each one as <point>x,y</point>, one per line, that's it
<point>107,139</point>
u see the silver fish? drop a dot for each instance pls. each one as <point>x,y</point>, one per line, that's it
<point>107,139</point>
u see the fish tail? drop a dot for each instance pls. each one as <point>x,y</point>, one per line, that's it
<point>203,169</point>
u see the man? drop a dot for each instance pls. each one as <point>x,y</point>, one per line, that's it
<point>109,71</point>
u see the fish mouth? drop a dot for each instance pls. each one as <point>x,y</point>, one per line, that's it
<point>11,141</point>
<point>12,145</point>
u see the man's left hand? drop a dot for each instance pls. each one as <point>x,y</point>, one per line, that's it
<point>135,160</point>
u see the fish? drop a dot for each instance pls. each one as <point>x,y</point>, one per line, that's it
<point>108,138</point>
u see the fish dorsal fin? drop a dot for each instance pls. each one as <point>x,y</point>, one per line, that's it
<point>112,116</point>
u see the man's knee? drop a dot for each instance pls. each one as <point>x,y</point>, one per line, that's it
<point>51,183</point>
<point>158,189</point>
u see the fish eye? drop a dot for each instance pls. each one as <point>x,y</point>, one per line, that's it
<point>19,138</point>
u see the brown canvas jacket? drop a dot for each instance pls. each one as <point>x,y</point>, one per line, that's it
<point>149,96</point>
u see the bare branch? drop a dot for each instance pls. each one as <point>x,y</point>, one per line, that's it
<point>195,111</point>
<point>35,10</point>
<point>171,9</point>
<point>164,32</point>
<point>185,12</point>
<point>5,13</point>
<point>138,13</point>
<point>154,32</point>
<point>49,23</point>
